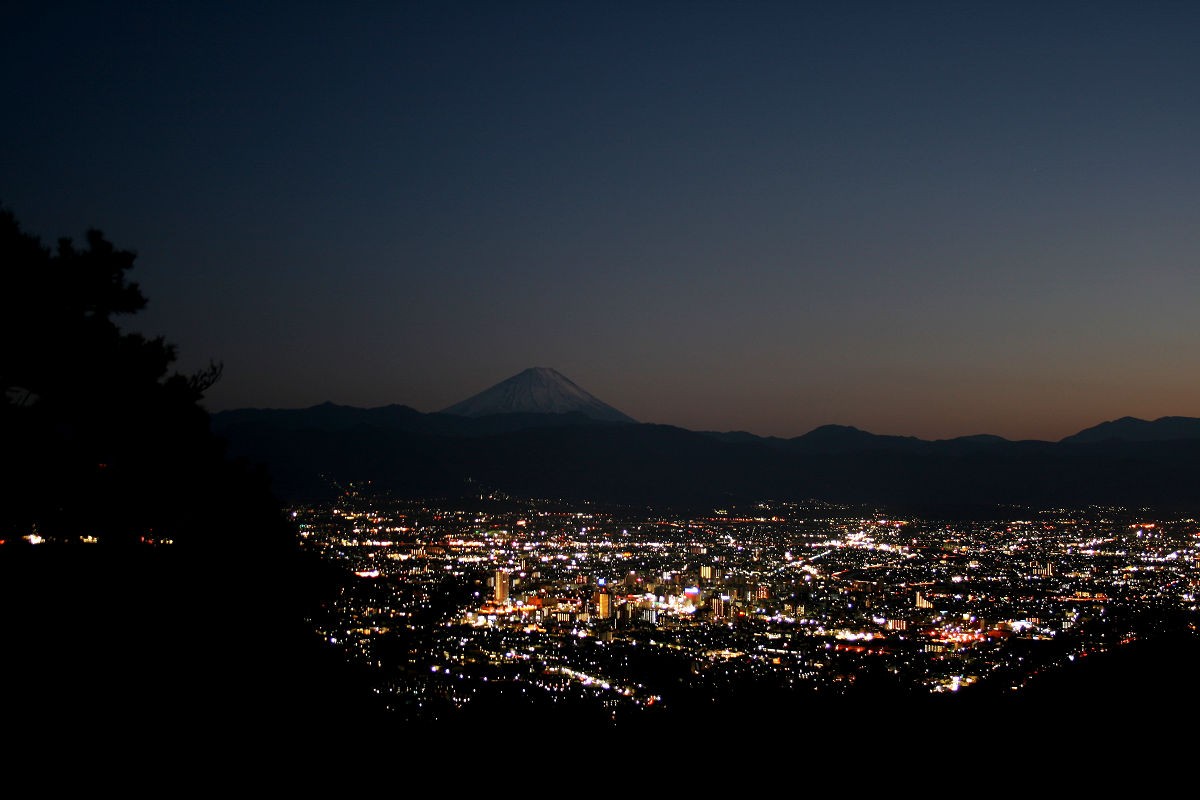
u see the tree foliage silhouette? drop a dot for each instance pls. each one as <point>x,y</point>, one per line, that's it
<point>102,437</point>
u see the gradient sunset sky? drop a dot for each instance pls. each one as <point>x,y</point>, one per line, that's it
<point>932,219</point>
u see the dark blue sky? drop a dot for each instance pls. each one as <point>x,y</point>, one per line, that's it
<point>917,218</point>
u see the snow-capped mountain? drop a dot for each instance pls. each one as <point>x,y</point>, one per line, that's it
<point>537,390</point>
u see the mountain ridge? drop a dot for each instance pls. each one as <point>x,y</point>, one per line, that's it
<point>333,416</point>
<point>572,456</point>
<point>1133,429</point>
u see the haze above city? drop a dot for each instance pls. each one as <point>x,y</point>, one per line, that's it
<point>928,219</point>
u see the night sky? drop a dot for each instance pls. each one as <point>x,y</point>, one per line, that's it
<point>932,219</point>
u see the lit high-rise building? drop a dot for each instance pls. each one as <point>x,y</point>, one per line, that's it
<point>603,605</point>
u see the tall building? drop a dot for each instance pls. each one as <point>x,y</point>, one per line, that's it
<point>501,584</point>
<point>603,605</point>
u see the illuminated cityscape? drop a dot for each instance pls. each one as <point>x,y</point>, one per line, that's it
<point>632,613</point>
<point>510,387</point>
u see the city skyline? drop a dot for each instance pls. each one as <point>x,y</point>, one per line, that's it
<point>927,220</point>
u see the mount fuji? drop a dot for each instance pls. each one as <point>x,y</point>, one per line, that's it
<point>537,390</point>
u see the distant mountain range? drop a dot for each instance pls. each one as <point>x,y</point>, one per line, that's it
<point>1132,429</point>
<point>537,434</point>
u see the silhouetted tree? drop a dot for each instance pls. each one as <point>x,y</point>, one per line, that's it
<point>102,437</point>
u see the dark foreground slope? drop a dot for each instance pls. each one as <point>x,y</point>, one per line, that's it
<point>146,649</point>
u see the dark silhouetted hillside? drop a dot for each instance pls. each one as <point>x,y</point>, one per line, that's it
<point>1131,429</point>
<point>553,455</point>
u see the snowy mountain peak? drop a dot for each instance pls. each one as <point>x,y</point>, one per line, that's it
<point>537,390</point>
